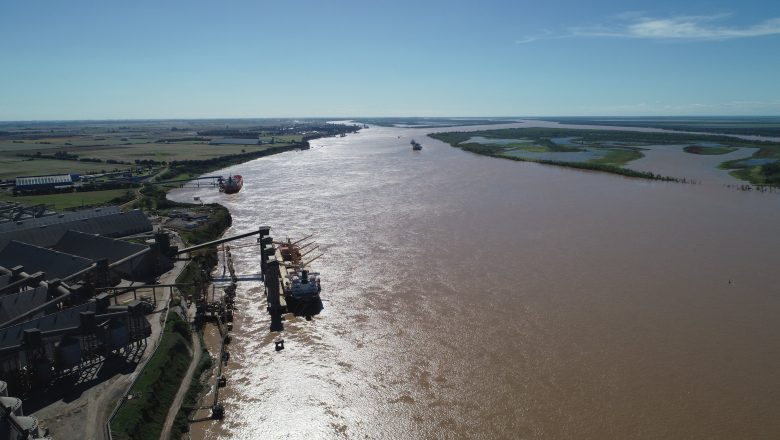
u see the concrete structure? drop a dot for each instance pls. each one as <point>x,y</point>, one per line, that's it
<point>13,423</point>
<point>54,344</point>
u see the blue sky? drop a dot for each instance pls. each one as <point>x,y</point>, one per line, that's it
<point>236,58</point>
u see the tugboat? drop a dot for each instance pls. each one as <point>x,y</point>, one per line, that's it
<point>416,145</point>
<point>231,185</point>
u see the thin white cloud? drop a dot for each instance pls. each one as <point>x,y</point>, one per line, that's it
<point>680,28</point>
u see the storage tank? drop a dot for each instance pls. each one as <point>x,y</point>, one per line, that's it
<point>42,369</point>
<point>118,335</point>
<point>28,423</point>
<point>13,404</point>
<point>68,352</point>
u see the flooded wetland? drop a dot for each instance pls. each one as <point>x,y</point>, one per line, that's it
<point>472,297</point>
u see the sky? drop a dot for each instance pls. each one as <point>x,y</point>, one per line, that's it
<point>287,58</point>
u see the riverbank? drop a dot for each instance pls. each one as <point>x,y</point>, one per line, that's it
<point>614,151</point>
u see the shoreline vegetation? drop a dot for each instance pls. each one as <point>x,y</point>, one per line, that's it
<point>768,126</point>
<point>610,150</point>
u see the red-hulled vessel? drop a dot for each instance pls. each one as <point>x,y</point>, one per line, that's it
<point>232,184</point>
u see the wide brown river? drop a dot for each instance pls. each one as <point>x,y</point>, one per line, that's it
<point>474,297</point>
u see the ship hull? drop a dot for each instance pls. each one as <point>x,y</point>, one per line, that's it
<point>232,185</point>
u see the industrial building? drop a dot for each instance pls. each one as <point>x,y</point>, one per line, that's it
<point>54,320</point>
<point>34,183</point>
<point>47,231</point>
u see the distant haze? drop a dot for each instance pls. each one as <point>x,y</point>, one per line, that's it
<point>190,59</point>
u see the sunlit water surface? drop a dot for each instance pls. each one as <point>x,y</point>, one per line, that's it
<point>473,297</point>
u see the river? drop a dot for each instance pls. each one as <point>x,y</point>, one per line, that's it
<point>474,297</point>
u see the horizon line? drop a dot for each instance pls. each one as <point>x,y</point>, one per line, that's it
<point>245,118</point>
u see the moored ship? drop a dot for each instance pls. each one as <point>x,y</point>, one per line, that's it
<point>232,184</point>
<point>301,287</point>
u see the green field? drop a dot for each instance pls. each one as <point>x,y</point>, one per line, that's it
<point>127,142</point>
<point>12,166</point>
<point>68,200</point>
<point>159,152</point>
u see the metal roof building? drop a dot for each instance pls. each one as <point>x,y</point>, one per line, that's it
<point>96,247</point>
<point>48,231</point>
<point>59,218</point>
<point>31,182</point>
<point>34,259</point>
<point>15,304</point>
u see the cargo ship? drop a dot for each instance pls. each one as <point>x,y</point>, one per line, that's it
<point>301,287</point>
<point>416,145</point>
<point>231,185</point>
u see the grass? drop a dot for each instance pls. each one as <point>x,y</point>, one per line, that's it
<point>14,166</point>
<point>618,157</point>
<point>160,152</point>
<point>143,416</point>
<point>65,201</point>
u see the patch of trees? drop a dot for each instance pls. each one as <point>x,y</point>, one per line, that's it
<point>183,139</point>
<point>771,173</point>
<point>177,167</point>
<point>149,162</point>
<point>60,155</point>
<point>230,133</point>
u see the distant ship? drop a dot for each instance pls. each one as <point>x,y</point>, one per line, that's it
<point>416,145</point>
<point>232,184</point>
